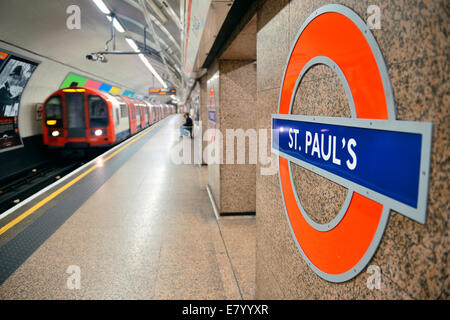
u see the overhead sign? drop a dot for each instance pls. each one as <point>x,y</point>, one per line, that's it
<point>384,163</point>
<point>162,91</point>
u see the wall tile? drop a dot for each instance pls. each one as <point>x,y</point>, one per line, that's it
<point>237,111</point>
<point>272,45</point>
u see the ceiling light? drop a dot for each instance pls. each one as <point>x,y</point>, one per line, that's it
<point>103,8</point>
<point>152,70</point>
<point>132,44</point>
<point>116,24</point>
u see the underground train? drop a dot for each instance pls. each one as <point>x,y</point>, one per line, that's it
<point>78,117</point>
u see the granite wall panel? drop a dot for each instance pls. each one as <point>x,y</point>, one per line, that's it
<point>203,112</point>
<point>413,257</point>
<point>213,168</point>
<point>238,109</point>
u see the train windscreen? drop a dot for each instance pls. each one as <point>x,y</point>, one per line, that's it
<point>98,112</point>
<point>53,112</point>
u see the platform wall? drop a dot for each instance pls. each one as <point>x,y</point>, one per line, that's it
<point>46,79</point>
<point>413,257</point>
<point>238,109</point>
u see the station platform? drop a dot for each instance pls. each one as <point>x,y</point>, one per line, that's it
<point>135,226</point>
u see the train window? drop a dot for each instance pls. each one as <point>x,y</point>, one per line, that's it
<point>123,111</point>
<point>119,98</point>
<point>117,117</point>
<point>75,110</point>
<point>53,111</point>
<point>98,112</point>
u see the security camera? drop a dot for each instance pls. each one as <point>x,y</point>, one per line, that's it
<point>96,57</point>
<point>102,58</point>
<point>92,57</point>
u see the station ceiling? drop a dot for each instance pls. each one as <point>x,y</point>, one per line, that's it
<point>41,27</point>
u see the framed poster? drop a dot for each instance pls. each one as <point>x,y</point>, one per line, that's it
<point>15,72</point>
<point>39,111</point>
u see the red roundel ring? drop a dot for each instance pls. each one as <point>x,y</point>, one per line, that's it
<point>337,34</point>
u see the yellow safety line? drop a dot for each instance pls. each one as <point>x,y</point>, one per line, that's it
<point>65,187</point>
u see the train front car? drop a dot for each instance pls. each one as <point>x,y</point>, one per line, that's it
<point>79,117</point>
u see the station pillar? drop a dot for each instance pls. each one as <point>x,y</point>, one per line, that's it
<point>231,106</point>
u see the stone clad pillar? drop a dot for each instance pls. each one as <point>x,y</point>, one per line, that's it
<point>232,85</point>
<point>203,114</point>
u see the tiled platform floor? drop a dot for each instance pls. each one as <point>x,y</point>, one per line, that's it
<point>149,232</point>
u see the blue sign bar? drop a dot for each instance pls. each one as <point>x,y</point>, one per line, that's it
<point>387,161</point>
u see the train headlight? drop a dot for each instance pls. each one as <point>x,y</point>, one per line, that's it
<point>98,132</point>
<point>55,133</point>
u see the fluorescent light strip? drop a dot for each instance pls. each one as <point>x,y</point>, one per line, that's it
<point>132,44</point>
<point>152,70</point>
<point>116,24</point>
<point>103,8</point>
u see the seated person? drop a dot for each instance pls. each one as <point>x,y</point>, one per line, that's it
<point>187,125</point>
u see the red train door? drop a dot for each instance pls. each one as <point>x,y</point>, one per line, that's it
<point>138,116</point>
<point>148,115</point>
<point>153,114</point>
<point>141,109</point>
<point>131,115</point>
<point>144,111</point>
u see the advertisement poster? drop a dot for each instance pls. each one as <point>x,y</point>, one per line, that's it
<point>14,75</point>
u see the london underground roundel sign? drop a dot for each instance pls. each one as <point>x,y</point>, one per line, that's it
<point>383,162</point>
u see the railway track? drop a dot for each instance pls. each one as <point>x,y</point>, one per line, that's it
<point>16,188</point>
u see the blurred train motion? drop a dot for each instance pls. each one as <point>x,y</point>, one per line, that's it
<point>78,117</point>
